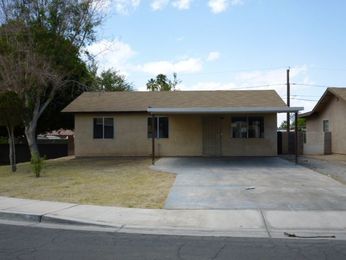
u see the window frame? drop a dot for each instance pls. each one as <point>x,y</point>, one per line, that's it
<point>247,122</point>
<point>157,124</point>
<point>325,126</point>
<point>103,127</point>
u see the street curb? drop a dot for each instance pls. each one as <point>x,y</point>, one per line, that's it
<point>162,230</point>
<point>129,229</point>
<point>8,215</point>
<point>56,220</point>
<point>37,218</point>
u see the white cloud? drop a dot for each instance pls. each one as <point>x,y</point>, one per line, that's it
<point>182,4</point>
<point>219,6</point>
<point>102,6</point>
<point>269,77</point>
<point>159,4</point>
<point>212,56</point>
<point>180,39</point>
<point>208,85</point>
<point>122,7</point>
<point>278,76</point>
<point>263,79</point>
<point>125,6</point>
<point>189,65</point>
<point>117,55</point>
<point>113,54</point>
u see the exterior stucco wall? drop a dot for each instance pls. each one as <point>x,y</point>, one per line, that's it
<point>130,136</point>
<point>335,112</point>
<point>185,137</point>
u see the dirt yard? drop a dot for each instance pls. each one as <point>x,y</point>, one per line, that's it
<point>124,182</point>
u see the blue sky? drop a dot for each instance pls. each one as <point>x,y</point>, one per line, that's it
<point>227,44</point>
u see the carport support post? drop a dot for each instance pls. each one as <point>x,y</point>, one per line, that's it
<point>296,134</point>
<point>153,139</point>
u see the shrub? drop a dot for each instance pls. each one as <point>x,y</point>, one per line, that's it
<point>3,140</point>
<point>37,164</point>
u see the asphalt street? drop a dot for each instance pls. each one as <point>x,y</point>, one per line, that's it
<point>24,242</point>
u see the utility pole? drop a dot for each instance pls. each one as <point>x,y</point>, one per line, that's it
<point>288,99</point>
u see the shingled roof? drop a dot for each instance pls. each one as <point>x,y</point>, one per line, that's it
<point>138,101</point>
<point>324,100</point>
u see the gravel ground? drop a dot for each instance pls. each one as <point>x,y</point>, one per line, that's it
<point>328,165</point>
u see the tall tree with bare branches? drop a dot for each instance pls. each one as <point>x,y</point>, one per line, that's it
<point>40,49</point>
<point>11,116</point>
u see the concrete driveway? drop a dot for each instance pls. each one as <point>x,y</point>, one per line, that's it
<point>249,183</point>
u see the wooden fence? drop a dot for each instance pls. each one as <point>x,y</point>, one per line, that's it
<point>49,149</point>
<point>286,143</point>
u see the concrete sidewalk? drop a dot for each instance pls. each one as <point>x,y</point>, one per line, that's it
<point>241,223</point>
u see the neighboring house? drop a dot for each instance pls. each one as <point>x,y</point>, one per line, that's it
<point>57,135</point>
<point>326,124</point>
<point>186,123</point>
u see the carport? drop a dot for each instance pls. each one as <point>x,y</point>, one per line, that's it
<point>212,134</point>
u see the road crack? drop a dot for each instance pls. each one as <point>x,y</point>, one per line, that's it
<point>218,252</point>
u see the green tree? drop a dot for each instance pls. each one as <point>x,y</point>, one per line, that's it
<point>11,110</point>
<point>40,47</point>
<point>152,85</point>
<point>113,81</point>
<point>163,83</point>
<point>301,124</point>
<point>283,125</point>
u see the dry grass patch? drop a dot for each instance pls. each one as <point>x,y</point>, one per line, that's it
<point>124,182</point>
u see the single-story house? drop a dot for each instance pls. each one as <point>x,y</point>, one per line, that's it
<point>177,123</point>
<point>326,124</point>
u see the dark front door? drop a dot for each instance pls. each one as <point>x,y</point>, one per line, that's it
<point>211,136</point>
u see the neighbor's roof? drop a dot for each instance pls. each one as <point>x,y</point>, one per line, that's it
<point>142,101</point>
<point>324,100</point>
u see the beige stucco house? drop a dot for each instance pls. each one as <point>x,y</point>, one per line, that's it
<point>326,124</point>
<point>186,123</point>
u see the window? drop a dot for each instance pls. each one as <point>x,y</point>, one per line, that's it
<point>239,127</point>
<point>103,128</point>
<point>248,127</point>
<point>98,128</point>
<point>325,125</point>
<point>304,137</point>
<point>162,130</point>
<point>256,127</point>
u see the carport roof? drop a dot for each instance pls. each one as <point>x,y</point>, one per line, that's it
<point>180,101</point>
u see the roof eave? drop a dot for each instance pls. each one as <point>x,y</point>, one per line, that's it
<point>223,110</point>
<point>307,114</point>
<point>103,111</point>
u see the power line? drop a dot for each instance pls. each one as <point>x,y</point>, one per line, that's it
<point>310,85</point>
<point>302,96</point>
<point>304,99</point>
<point>189,74</point>
<point>230,70</point>
<point>324,68</point>
<point>305,96</point>
<point>260,86</point>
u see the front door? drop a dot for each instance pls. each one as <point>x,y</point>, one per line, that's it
<point>211,136</point>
